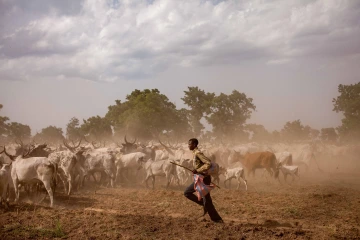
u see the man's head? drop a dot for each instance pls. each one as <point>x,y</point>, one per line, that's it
<point>193,143</point>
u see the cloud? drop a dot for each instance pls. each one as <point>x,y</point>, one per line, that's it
<point>112,40</point>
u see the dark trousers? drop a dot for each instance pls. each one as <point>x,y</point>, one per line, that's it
<point>206,202</point>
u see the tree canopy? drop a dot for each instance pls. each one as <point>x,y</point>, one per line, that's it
<point>147,114</point>
<point>97,128</point>
<point>19,131</point>
<point>228,114</point>
<point>73,130</point>
<point>348,103</point>
<point>199,103</point>
<point>50,134</point>
<point>3,125</point>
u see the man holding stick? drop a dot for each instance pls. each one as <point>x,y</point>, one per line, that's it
<point>201,165</point>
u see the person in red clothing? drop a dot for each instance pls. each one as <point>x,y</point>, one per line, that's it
<point>201,165</point>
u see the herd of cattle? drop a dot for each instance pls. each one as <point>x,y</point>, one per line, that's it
<point>29,165</point>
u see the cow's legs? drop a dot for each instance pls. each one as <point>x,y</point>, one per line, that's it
<point>153,182</point>
<point>70,181</point>
<point>64,180</point>
<point>245,182</point>
<point>49,190</point>
<point>16,188</point>
<point>146,180</point>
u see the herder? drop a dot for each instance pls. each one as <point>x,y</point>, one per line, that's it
<point>201,165</point>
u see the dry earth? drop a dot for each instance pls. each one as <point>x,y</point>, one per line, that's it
<point>323,207</point>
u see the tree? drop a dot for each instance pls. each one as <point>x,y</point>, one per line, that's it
<point>147,114</point>
<point>73,130</point>
<point>19,131</point>
<point>3,125</point>
<point>348,102</point>
<point>97,128</point>
<point>329,134</point>
<point>259,133</point>
<point>50,134</point>
<point>199,103</point>
<point>275,136</point>
<point>228,114</point>
<point>294,130</point>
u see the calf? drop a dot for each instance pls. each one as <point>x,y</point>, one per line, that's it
<point>288,170</point>
<point>237,173</point>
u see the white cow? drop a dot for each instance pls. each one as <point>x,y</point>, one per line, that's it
<point>66,162</point>
<point>27,170</point>
<point>100,160</point>
<point>289,170</point>
<point>4,182</point>
<point>160,168</point>
<point>131,161</point>
<point>237,173</point>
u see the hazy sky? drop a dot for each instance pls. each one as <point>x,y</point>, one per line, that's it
<point>63,59</point>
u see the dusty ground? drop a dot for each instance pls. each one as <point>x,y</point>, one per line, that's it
<point>323,207</point>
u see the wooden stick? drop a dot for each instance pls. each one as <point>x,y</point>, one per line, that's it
<point>191,171</point>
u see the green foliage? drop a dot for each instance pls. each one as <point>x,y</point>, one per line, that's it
<point>50,134</point>
<point>73,130</point>
<point>259,133</point>
<point>147,114</point>
<point>3,125</point>
<point>348,102</point>
<point>329,134</point>
<point>199,103</point>
<point>228,114</point>
<point>97,128</point>
<point>19,131</point>
<point>295,131</point>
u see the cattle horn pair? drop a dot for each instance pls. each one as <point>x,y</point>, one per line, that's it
<point>72,148</point>
<point>12,157</point>
<point>129,142</point>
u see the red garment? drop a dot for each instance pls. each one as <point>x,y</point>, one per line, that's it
<point>200,187</point>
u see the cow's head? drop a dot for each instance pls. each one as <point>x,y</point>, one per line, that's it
<point>13,157</point>
<point>128,147</point>
<point>74,146</point>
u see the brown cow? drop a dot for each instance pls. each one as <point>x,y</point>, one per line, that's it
<point>252,161</point>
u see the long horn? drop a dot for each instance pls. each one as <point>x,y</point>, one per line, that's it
<point>134,141</point>
<point>125,139</point>
<point>167,148</point>
<point>67,146</point>
<point>78,143</point>
<point>12,157</point>
<point>85,139</point>
<point>28,152</point>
